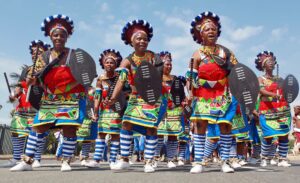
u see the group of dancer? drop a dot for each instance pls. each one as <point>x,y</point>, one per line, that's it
<point>197,108</point>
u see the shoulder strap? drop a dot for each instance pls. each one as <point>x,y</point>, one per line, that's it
<point>158,63</point>
<point>46,56</point>
<point>227,53</point>
<point>50,65</point>
<point>228,65</point>
<point>68,57</point>
<point>131,61</point>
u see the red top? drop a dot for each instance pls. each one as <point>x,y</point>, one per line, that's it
<point>211,71</point>
<point>272,103</point>
<point>23,105</point>
<point>166,87</point>
<point>59,80</point>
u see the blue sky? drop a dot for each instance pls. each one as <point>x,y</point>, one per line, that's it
<point>248,27</point>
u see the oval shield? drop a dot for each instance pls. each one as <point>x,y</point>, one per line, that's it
<point>244,85</point>
<point>177,91</point>
<point>148,82</point>
<point>120,104</point>
<point>89,107</point>
<point>83,67</point>
<point>290,88</point>
<point>35,95</point>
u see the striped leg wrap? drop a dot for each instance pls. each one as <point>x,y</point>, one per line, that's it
<point>256,151</point>
<point>233,153</point>
<point>85,149</point>
<point>160,143</point>
<point>283,148</point>
<point>171,149</point>
<point>40,149</point>
<point>114,148</point>
<point>209,148</point>
<point>68,147</point>
<point>182,148</point>
<point>99,149</point>
<point>18,146</point>
<point>265,148</point>
<point>125,142</point>
<point>150,145</point>
<point>131,148</point>
<point>59,146</point>
<point>33,142</point>
<point>225,143</point>
<point>272,151</point>
<point>199,143</point>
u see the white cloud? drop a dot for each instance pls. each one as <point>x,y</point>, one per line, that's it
<point>110,17</point>
<point>238,34</point>
<point>179,41</point>
<point>160,14</point>
<point>82,25</point>
<point>258,47</point>
<point>112,35</point>
<point>104,7</point>
<point>241,34</point>
<point>277,34</point>
<point>181,48</point>
<point>177,22</point>
<point>187,12</point>
<point>228,43</point>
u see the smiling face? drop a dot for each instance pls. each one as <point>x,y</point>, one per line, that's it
<point>209,34</point>
<point>140,42</point>
<point>167,67</point>
<point>59,38</point>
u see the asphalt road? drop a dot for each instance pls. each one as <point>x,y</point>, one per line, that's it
<point>50,172</point>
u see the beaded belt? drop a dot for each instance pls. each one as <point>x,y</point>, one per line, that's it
<point>211,84</point>
<point>63,97</point>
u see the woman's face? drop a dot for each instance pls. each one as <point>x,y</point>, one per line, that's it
<point>140,42</point>
<point>167,67</point>
<point>59,38</point>
<point>209,34</point>
<point>270,65</point>
<point>109,65</point>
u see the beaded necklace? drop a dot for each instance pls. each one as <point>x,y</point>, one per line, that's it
<point>137,59</point>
